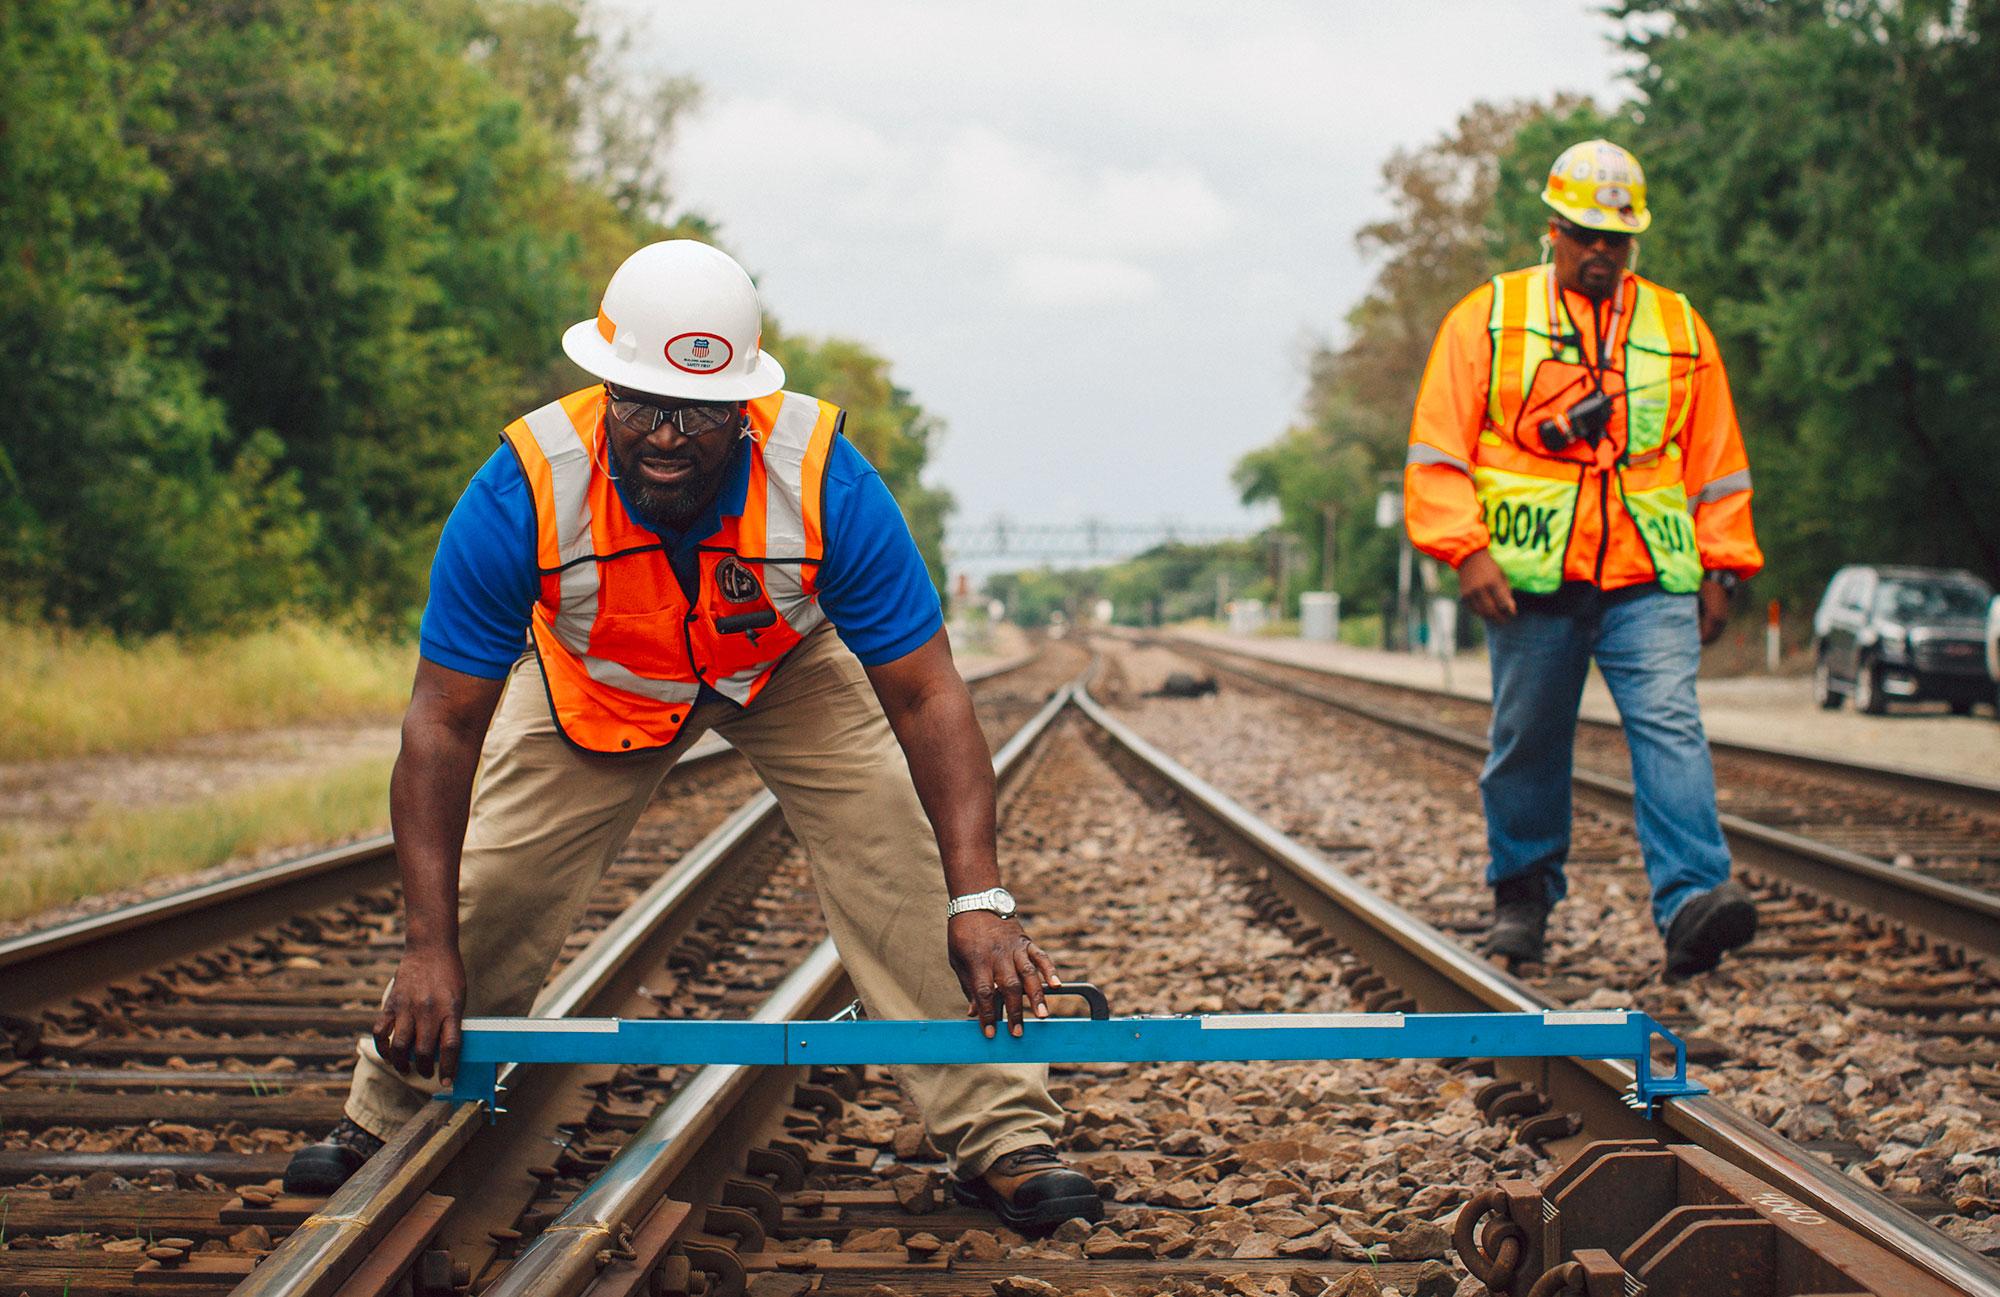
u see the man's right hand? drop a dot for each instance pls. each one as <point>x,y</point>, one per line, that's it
<point>1484,587</point>
<point>420,1022</point>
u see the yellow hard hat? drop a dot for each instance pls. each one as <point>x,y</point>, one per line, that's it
<point>1600,186</point>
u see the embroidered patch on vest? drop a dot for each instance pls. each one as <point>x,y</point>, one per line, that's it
<point>736,582</point>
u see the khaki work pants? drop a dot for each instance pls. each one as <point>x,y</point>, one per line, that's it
<point>546,821</point>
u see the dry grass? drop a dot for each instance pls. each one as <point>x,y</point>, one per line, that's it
<point>112,849</point>
<point>69,694</point>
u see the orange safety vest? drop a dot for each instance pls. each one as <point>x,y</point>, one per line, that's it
<point>622,647</point>
<point>1529,494</point>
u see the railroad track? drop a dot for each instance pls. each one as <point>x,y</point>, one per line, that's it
<point>1225,1178</point>
<point>1920,850</point>
<point>159,1064</point>
<point>1862,1040</point>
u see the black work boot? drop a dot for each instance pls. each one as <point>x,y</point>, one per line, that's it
<point>323,1167</point>
<point>1707,927</point>
<point>1032,1190</point>
<point>1520,918</point>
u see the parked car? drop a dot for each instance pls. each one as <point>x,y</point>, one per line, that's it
<point>1993,649</point>
<point>1902,634</point>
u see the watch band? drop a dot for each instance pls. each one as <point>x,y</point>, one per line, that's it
<point>997,899</point>
<point>1726,579</point>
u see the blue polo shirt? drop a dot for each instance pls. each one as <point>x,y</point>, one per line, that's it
<point>873,585</point>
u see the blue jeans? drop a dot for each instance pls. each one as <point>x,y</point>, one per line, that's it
<point>1647,645</point>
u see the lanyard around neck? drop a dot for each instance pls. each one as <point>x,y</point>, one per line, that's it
<point>1605,335</point>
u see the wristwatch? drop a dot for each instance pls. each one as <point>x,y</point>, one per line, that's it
<point>1727,580</point>
<point>997,899</point>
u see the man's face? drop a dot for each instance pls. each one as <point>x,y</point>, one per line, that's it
<point>1588,261</point>
<point>668,477</point>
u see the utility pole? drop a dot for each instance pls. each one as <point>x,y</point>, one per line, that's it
<point>1330,517</point>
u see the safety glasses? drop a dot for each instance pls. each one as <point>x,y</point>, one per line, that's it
<point>690,421</point>
<point>1584,235</point>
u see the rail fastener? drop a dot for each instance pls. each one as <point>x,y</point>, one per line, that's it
<point>1640,1216</point>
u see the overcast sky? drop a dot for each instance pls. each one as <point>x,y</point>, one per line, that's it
<point>1095,238</point>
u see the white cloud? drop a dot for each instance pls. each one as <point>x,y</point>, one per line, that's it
<point>997,193</point>
<point>1057,280</point>
<point>976,188</point>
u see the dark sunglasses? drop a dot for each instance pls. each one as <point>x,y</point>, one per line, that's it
<point>690,421</point>
<point>1584,235</point>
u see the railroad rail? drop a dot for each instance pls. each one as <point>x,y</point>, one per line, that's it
<point>1950,912</point>
<point>232,1026</point>
<point>1440,976</point>
<point>747,1174</point>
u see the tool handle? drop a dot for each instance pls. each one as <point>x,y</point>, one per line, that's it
<point>1100,1007</point>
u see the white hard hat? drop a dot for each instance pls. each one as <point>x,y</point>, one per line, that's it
<point>680,318</point>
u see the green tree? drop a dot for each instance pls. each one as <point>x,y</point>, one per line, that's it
<point>123,499</point>
<point>1828,182</point>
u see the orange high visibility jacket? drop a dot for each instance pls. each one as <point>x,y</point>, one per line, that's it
<point>1663,497</point>
<point>622,647</point>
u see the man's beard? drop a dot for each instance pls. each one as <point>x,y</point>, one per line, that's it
<point>668,506</point>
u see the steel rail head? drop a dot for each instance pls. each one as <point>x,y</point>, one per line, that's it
<point>61,962</point>
<point>562,1259</point>
<point>1707,1122</point>
<point>1950,912</point>
<point>1968,792</point>
<point>315,1259</point>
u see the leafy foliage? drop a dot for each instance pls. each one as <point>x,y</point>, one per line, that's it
<point>1826,186</point>
<point>1829,184</point>
<point>274,274</point>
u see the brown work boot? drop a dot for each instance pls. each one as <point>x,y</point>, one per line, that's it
<point>1032,1190</point>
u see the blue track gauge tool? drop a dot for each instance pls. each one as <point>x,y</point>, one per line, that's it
<point>1625,1034</point>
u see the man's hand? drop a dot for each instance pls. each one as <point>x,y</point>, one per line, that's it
<point>420,1022</point>
<point>1714,604</point>
<point>1484,587</point>
<point>997,967</point>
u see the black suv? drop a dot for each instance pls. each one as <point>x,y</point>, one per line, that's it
<point>1904,634</point>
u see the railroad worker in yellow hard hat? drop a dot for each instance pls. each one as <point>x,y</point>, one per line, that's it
<point>683,547</point>
<point>1575,456</point>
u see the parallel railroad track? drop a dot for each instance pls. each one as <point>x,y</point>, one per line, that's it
<point>1920,850</point>
<point>159,1064</point>
<point>1226,1178</point>
<point>1868,1042</point>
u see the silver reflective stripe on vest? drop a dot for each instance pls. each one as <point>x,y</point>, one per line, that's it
<point>1727,484</point>
<point>607,672</point>
<point>569,473</point>
<point>569,469</point>
<point>577,586</point>
<point>1422,453</point>
<point>784,512</point>
<point>736,688</point>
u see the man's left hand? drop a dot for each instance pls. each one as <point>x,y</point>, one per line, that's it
<point>1714,610</point>
<point>998,968</point>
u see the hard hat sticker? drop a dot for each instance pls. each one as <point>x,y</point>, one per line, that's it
<point>699,353</point>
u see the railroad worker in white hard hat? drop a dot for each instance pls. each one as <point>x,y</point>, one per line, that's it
<point>1575,456</point>
<point>685,547</point>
